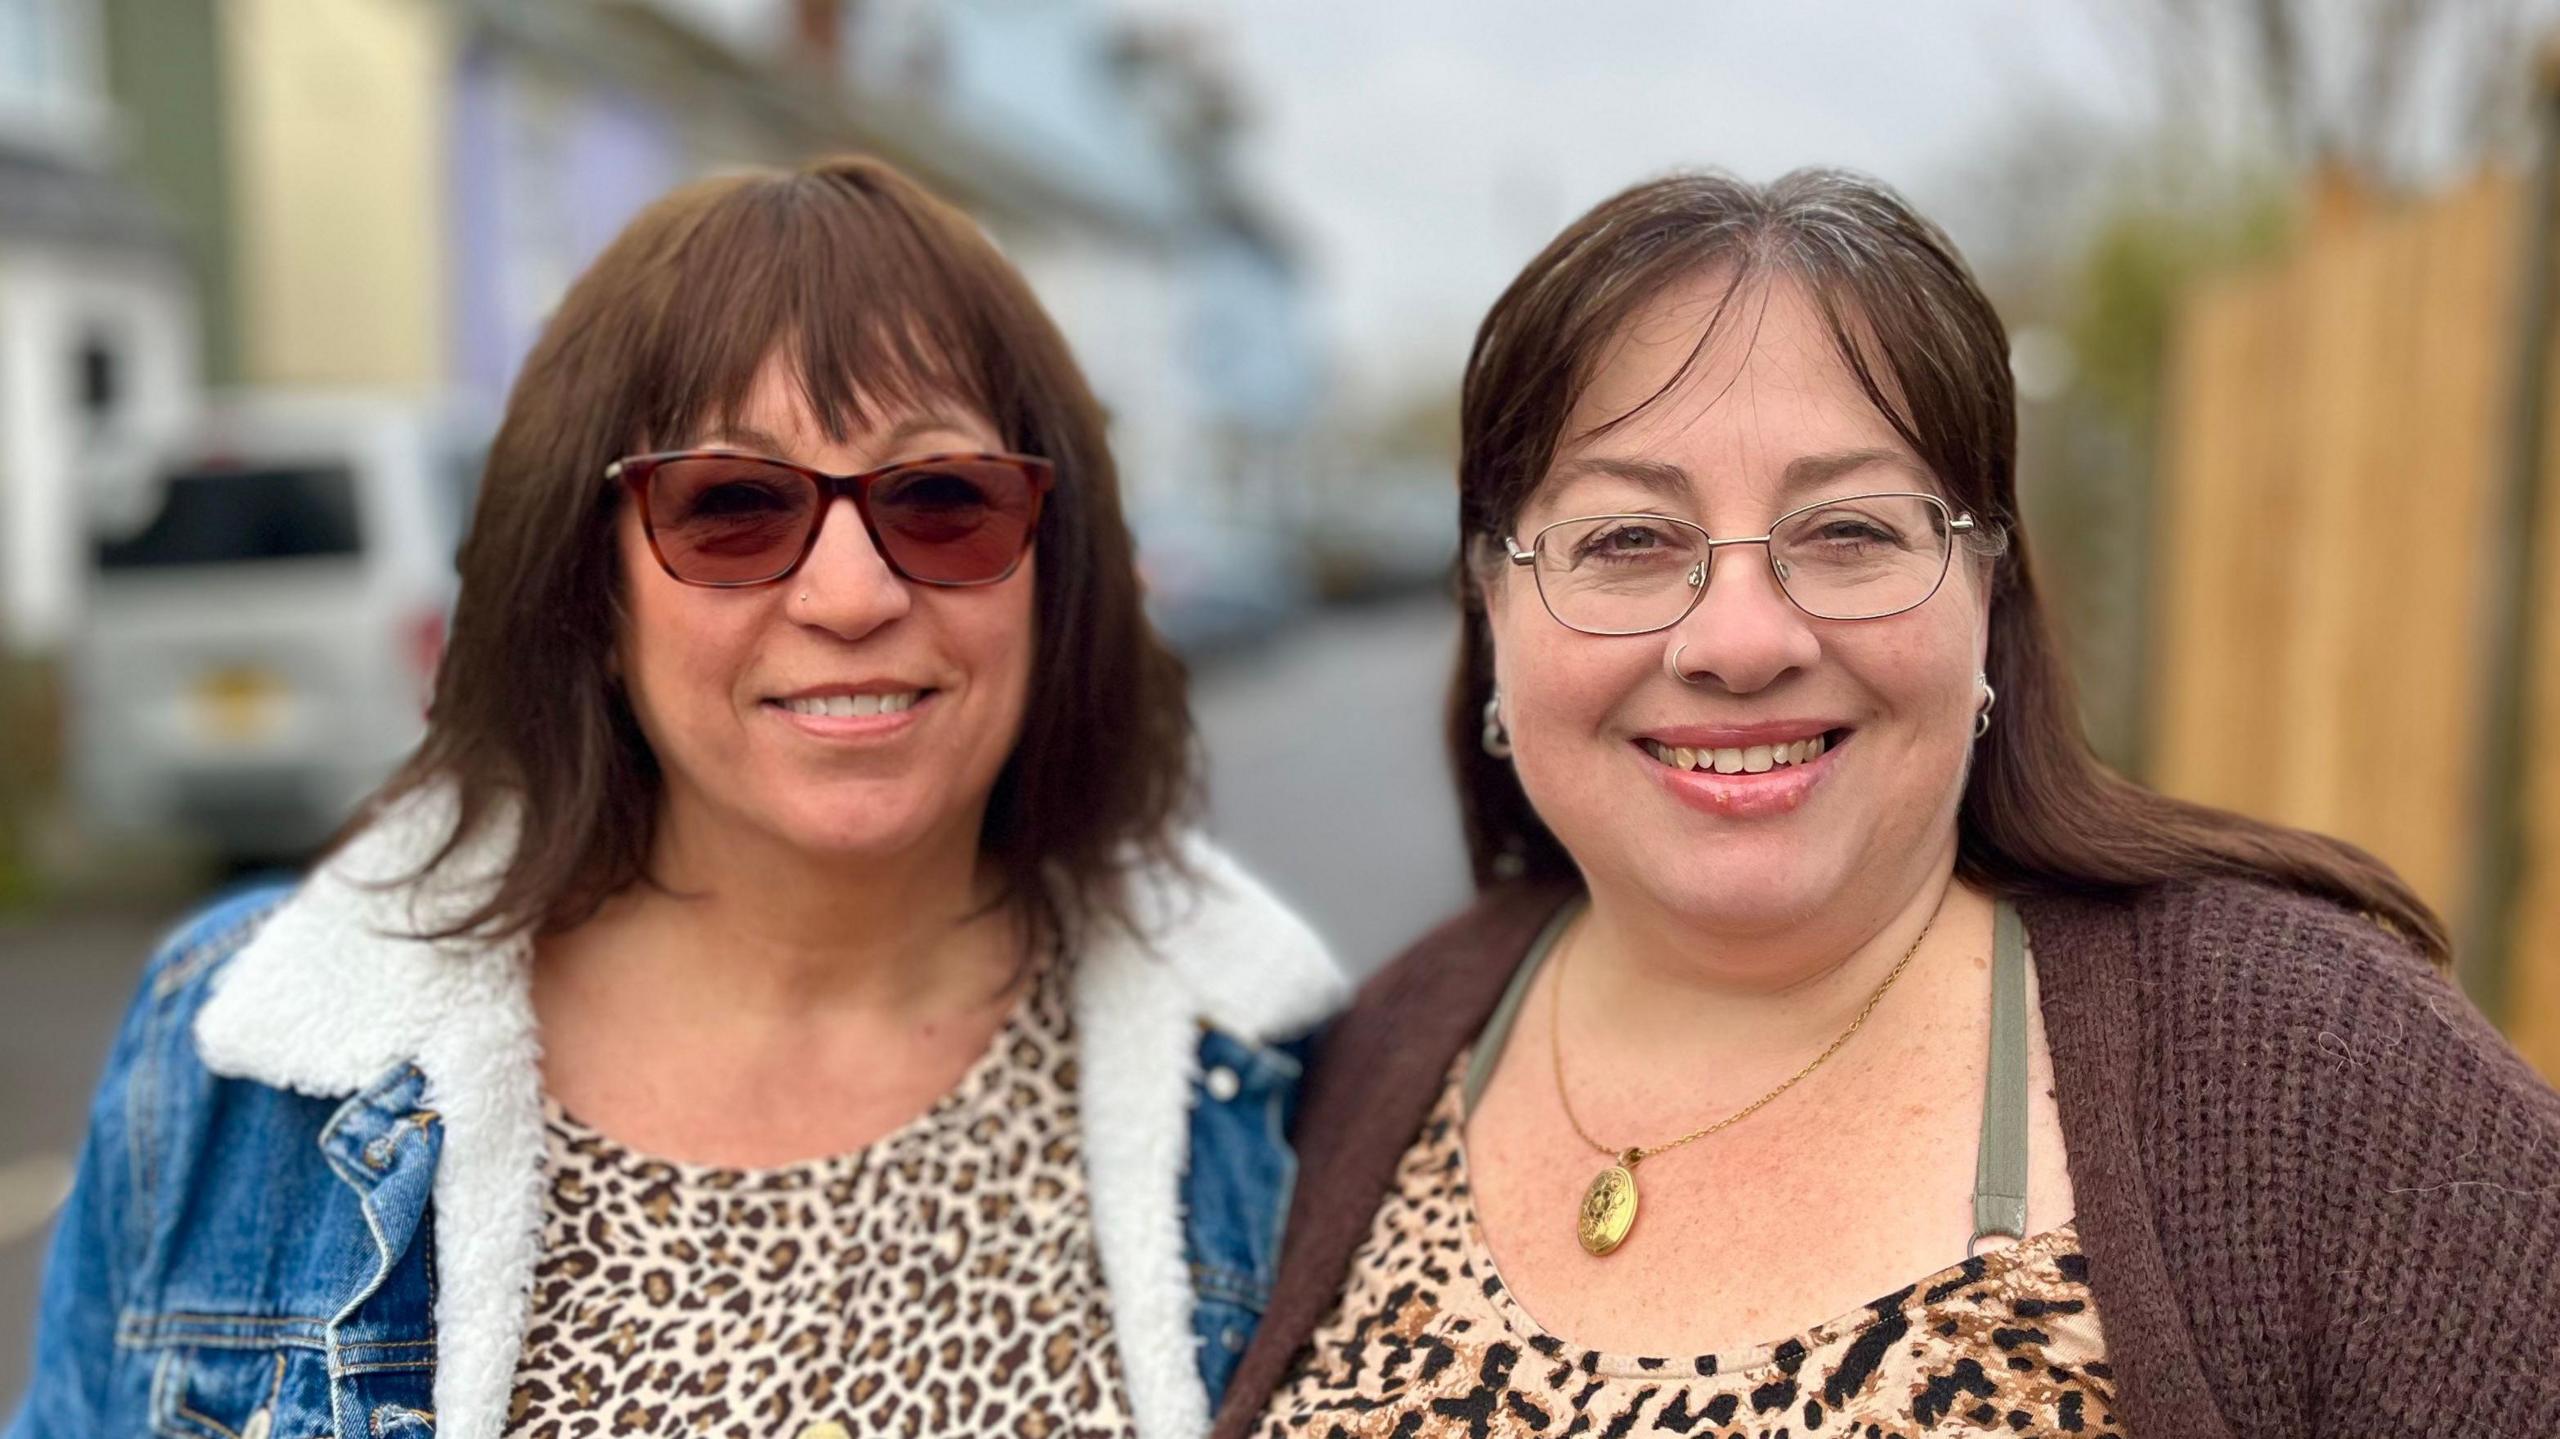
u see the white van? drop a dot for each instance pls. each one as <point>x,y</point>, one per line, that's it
<point>264,616</point>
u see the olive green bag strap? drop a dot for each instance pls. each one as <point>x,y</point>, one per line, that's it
<point>1497,1030</point>
<point>2000,1166</point>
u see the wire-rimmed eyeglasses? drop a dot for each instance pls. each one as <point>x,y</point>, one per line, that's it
<point>1858,557</point>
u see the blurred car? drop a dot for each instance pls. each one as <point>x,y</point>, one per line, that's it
<point>1397,536</point>
<point>1215,585</point>
<point>264,619</point>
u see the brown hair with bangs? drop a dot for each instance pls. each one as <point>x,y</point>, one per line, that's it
<point>2040,813</point>
<point>879,294</point>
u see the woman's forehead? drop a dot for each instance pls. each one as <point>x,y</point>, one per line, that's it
<point>1719,350</point>
<point>784,406</point>
<point>1711,389</point>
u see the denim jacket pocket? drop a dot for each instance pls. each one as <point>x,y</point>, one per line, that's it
<point>240,1389</point>
<point>235,1377</point>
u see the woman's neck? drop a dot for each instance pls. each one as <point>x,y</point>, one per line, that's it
<point>1658,982</point>
<point>740,927</point>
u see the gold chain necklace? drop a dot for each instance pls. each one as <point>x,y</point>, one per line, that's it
<point>1609,1205</point>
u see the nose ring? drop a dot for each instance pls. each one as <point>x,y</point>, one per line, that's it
<point>1671,664</point>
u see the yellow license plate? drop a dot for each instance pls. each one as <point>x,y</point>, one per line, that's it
<point>239,703</point>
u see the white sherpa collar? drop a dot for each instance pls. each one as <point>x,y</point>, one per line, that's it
<point>332,993</point>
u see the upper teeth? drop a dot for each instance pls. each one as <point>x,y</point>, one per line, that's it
<point>840,706</point>
<point>1754,759</point>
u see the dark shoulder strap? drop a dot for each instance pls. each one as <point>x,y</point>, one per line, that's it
<point>1372,1085</point>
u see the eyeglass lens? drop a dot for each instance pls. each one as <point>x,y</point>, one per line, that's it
<point>730,520</point>
<point>1860,557</point>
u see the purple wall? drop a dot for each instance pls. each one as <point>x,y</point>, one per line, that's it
<point>542,177</point>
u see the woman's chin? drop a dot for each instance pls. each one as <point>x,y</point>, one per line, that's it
<point>1751,889</point>
<point>825,830</point>
<point>870,838</point>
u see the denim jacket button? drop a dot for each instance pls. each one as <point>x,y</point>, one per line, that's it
<point>1232,1338</point>
<point>1223,1084</point>
<point>259,1424</point>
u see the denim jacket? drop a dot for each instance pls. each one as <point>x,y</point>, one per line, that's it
<point>309,1202</point>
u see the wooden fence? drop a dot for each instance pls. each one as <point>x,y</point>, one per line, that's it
<point>2336,468</point>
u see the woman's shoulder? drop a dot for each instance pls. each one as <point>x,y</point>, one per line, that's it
<point>157,1036</point>
<point>155,1077</point>
<point>2277,1105</point>
<point>183,968</point>
<point>1454,974</point>
<point>2236,992</point>
<point>2217,939</point>
<point>1245,959</point>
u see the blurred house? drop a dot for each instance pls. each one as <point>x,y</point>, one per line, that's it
<point>396,192</point>
<point>97,314</point>
<point>1186,307</point>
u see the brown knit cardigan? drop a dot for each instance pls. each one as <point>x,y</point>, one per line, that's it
<point>2320,1196</point>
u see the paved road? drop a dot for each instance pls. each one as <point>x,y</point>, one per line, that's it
<point>1325,777</point>
<point>1326,774</point>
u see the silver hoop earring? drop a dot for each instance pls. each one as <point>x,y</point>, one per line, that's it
<point>1982,716</point>
<point>1496,739</point>
<point>1671,664</point>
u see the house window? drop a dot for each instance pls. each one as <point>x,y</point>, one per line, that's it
<point>100,381</point>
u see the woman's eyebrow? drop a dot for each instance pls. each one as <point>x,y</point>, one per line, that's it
<point>743,437</point>
<point>928,424</point>
<point>748,437</point>
<point>1665,479</point>
<point>1806,471</point>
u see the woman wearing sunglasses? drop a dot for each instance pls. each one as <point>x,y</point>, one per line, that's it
<point>779,996</point>
<point>1836,1048</point>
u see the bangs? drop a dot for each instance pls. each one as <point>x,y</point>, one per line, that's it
<point>1866,348</point>
<point>876,304</point>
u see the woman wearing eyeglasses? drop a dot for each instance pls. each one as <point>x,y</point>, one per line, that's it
<point>779,997</point>
<point>1836,1049</point>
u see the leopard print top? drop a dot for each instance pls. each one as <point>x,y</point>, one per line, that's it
<point>942,1280</point>
<point>1426,1341</point>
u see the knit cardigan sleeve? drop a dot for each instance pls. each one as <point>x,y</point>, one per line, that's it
<point>2429,1203</point>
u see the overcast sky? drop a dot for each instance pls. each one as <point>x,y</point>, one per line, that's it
<point>1422,150</point>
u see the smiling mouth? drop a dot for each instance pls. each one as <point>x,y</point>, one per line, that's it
<point>852,706</point>
<point>1745,759</point>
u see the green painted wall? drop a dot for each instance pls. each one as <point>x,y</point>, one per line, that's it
<point>164,68</point>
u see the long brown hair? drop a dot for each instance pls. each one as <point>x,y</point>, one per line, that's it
<point>2040,813</point>
<point>878,293</point>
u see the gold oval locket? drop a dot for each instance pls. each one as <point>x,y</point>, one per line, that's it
<point>1609,1207</point>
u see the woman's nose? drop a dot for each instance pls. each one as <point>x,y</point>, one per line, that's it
<point>845,585</point>
<point>1744,632</point>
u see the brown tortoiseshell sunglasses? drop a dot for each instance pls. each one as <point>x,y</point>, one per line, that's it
<point>723,518</point>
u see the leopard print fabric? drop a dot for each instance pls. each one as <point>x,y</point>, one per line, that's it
<point>1426,1341</point>
<point>942,1280</point>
